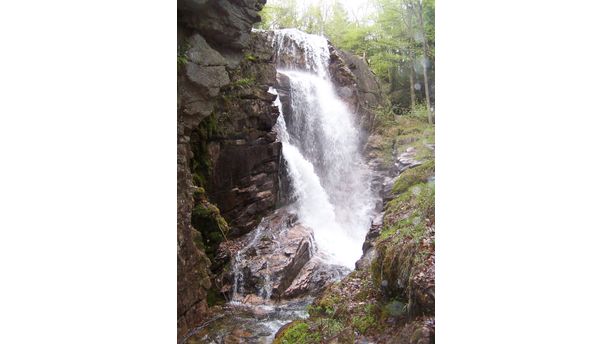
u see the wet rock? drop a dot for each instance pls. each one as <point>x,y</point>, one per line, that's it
<point>277,262</point>
<point>272,257</point>
<point>313,278</point>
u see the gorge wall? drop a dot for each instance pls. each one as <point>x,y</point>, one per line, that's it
<point>211,35</point>
<point>229,163</point>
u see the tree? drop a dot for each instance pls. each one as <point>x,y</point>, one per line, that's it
<point>416,7</point>
<point>279,15</point>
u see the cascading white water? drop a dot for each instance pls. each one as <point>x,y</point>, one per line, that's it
<point>321,146</point>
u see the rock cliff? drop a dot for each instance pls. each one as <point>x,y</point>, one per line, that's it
<point>211,101</point>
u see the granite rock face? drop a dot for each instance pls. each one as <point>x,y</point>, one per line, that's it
<point>211,36</point>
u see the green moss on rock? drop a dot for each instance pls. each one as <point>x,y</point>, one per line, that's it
<point>413,176</point>
<point>297,332</point>
<point>207,219</point>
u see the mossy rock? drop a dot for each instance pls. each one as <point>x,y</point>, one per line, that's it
<point>207,219</point>
<point>297,332</point>
<point>413,176</point>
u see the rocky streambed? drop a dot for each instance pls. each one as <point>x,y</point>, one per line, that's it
<point>236,322</point>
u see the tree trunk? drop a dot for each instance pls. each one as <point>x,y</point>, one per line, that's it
<point>411,64</point>
<point>411,78</point>
<point>417,8</point>
<point>425,57</point>
<point>429,113</point>
<point>407,17</point>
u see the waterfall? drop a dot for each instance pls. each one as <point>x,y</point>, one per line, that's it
<point>331,204</point>
<point>331,182</point>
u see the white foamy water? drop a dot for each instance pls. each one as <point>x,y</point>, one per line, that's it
<point>320,140</point>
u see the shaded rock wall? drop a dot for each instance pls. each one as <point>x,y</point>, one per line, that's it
<point>211,34</point>
<point>241,151</point>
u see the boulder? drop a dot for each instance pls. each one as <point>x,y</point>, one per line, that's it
<point>278,261</point>
<point>271,257</point>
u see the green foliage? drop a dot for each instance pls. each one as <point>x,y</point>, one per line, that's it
<point>279,15</point>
